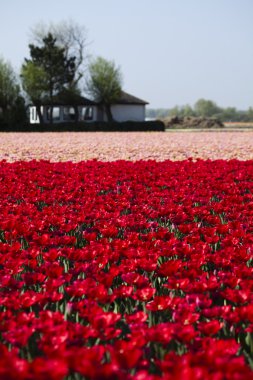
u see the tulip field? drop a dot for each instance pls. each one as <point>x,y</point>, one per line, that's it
<point>132,146</point>
<point>126,256</point>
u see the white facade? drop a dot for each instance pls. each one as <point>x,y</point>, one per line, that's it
<point>63,114</point>
<point>127,108</point>
<point>128,112</point>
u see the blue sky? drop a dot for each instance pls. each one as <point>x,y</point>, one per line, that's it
<point>171,52</point>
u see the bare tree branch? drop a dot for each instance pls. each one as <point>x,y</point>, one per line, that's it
<point>69,35</point>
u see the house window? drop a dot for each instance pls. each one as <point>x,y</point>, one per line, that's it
<point>55,114</point>
<point>68,113</point>
<point>33,114</point>
<point>87,113</point>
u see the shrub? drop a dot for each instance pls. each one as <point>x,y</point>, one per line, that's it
<point>127,126</point>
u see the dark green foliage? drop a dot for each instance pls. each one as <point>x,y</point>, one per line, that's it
<point>58,68</point>
<point>20,108</point>
<point>12,107</point>
<point>18,114</point>
<point>128,126</point>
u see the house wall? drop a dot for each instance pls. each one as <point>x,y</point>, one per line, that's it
<point>120,112</point>
<point>94,111</point>
<point>100,114</point>
<point>34,118</point>
<point>126,112</point>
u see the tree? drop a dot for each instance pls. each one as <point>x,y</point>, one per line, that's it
<point>250,114</point>
<point>175,111</point>
<point>50,61</point>
<point>70,36</point>
<point>104,83</point>
<point>11,100</point>
<point>34,81</point>
<point>187,111</point>
<point>228,114</point>
<point>206,108</point>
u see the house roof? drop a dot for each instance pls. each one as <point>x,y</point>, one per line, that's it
<point>68,98</point>
<point>126,98</point>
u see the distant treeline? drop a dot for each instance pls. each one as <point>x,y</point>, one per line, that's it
<point>203,108</point>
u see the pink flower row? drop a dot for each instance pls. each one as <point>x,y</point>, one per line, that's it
<point>126,146</point>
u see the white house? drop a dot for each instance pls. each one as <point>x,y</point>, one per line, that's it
<point>128,108</point>
<point>67,108</point>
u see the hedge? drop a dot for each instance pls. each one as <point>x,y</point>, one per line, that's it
<point>128,126</point>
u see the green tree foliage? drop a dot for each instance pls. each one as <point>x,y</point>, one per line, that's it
<point>158,113</point>
<point>187,111</point>
<point>183,111</point>
<point>104,83</point>
<point>50,62</point>
<point>12,107</point>
<point>175,111</point>
<point>206,108</point>
<point>70,36</point>
<point>34,83</point>
<point>250,113</point>
<point>228,114</point>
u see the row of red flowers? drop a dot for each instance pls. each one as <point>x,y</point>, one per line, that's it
<point>126,270</point>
